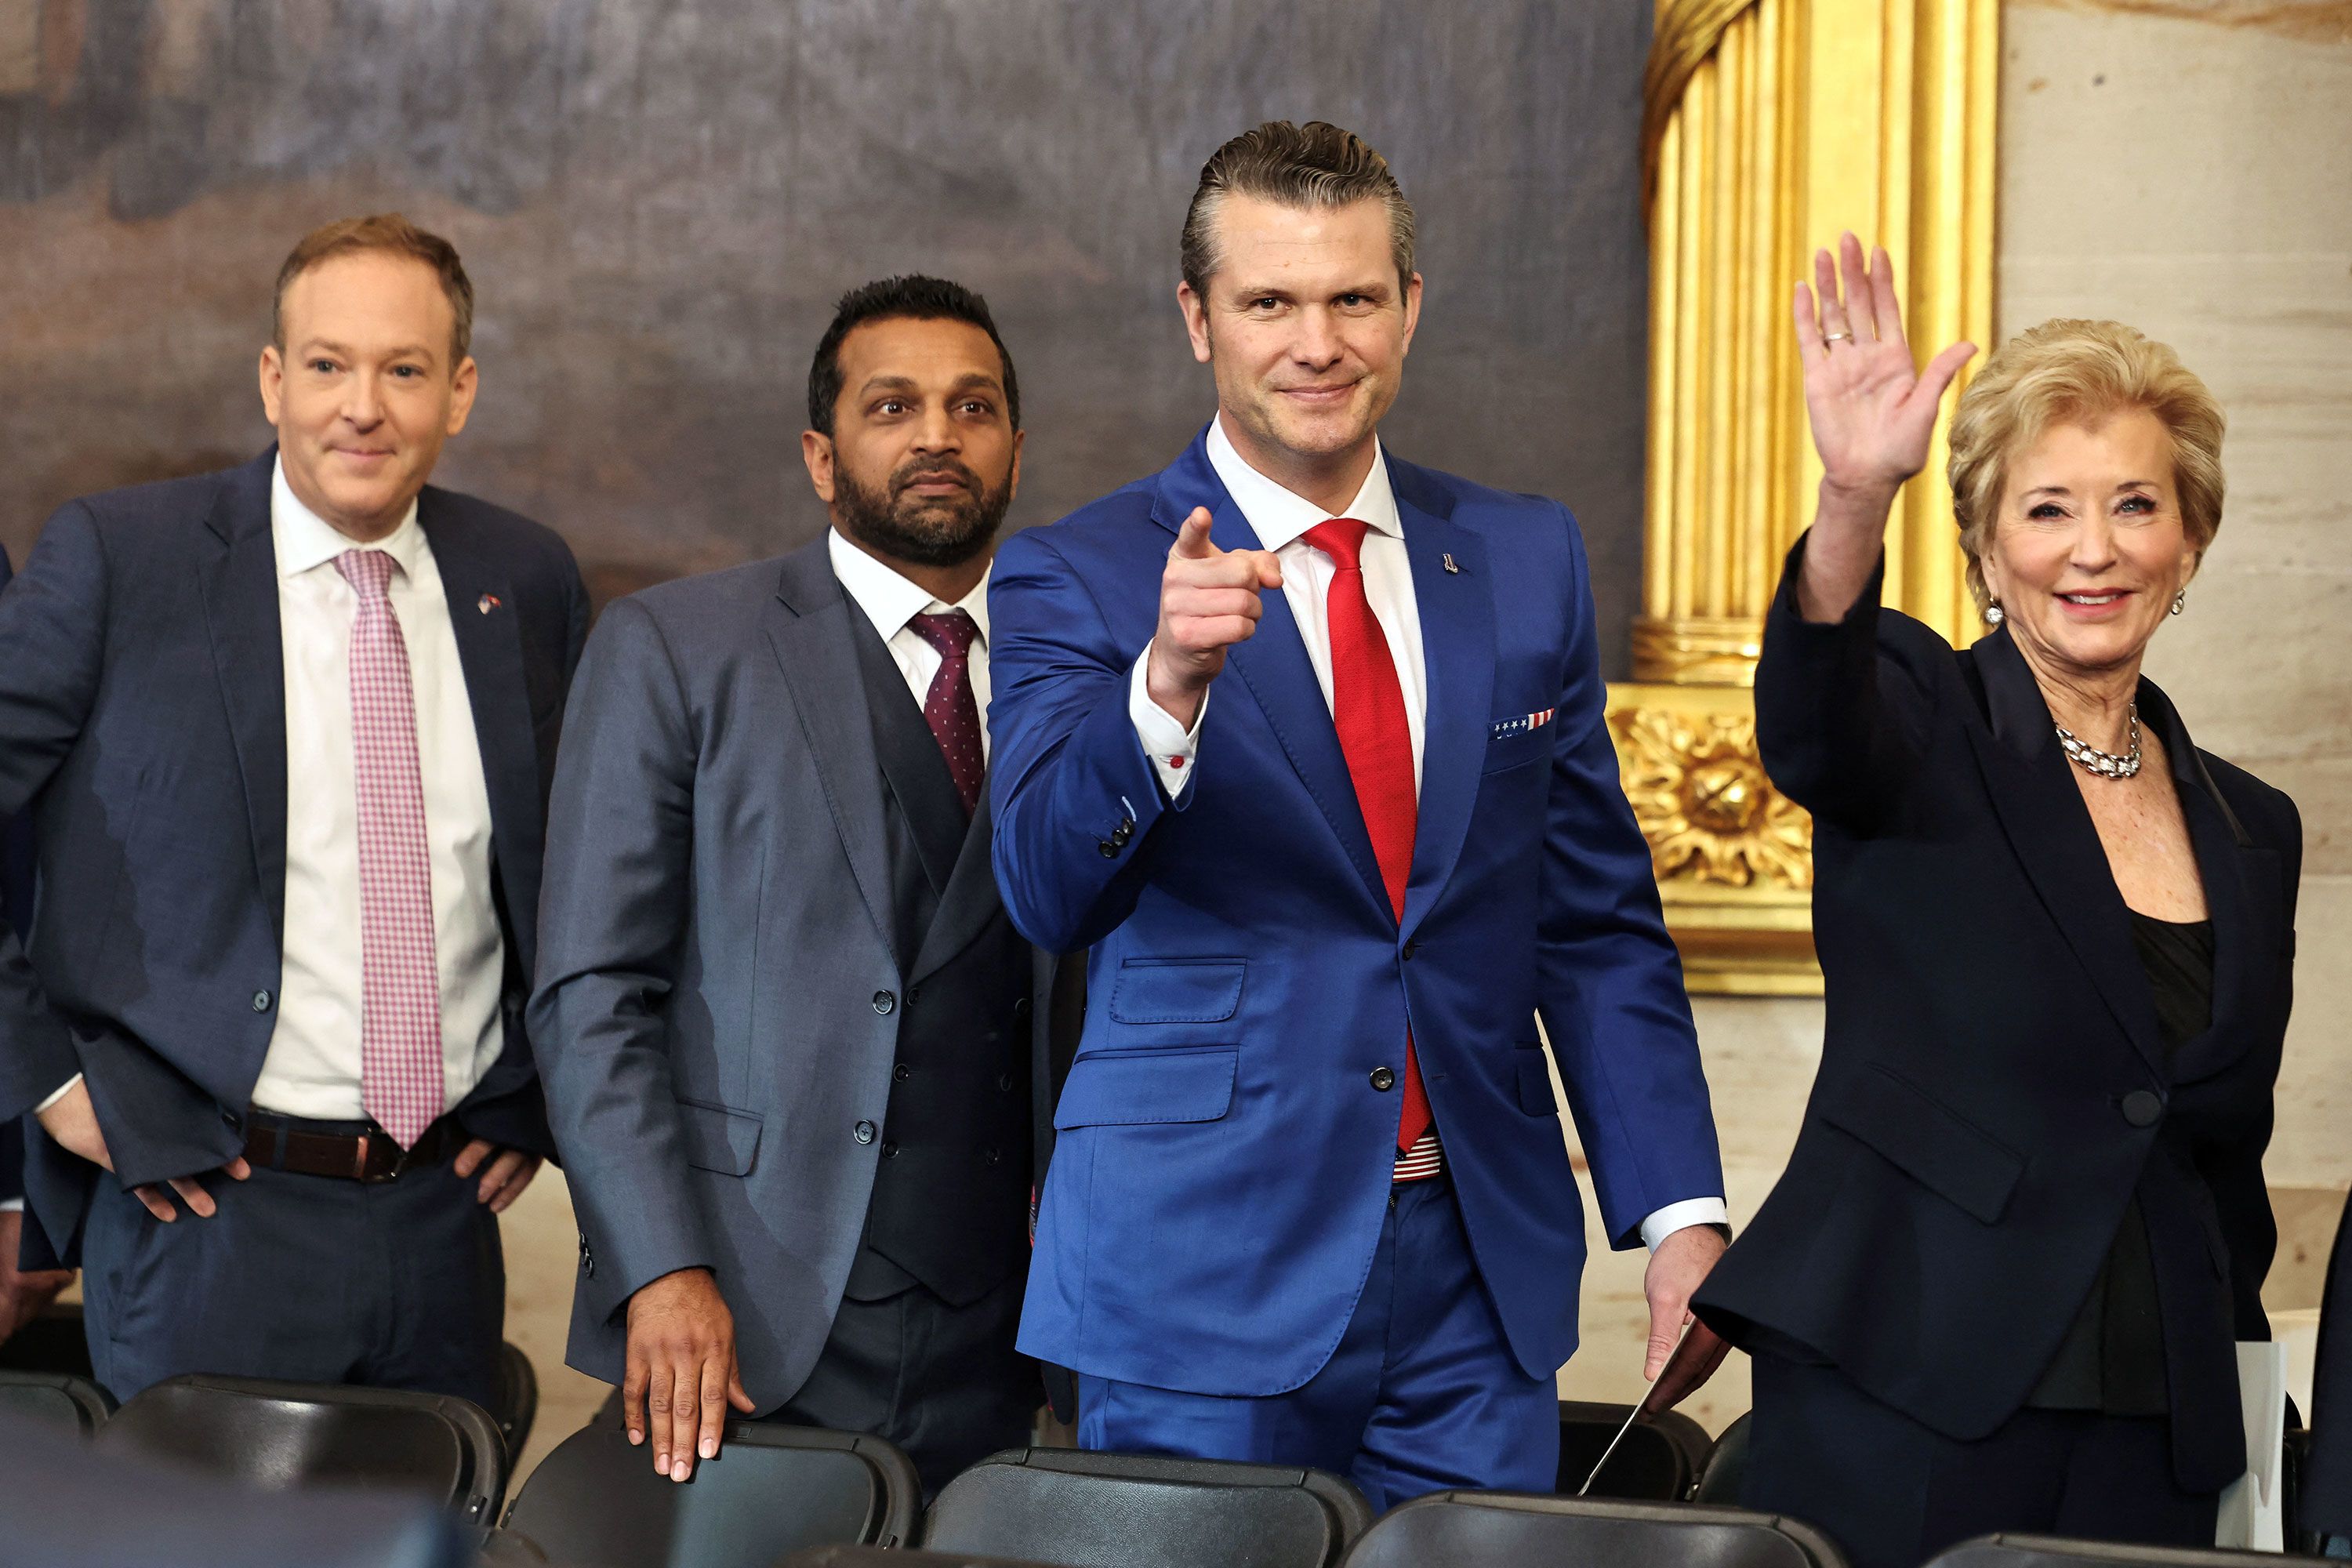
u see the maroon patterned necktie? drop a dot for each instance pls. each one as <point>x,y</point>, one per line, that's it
<point>400,975</point>
<point>951,710</point>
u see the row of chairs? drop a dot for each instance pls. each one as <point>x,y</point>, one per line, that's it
<point>780,1495</point>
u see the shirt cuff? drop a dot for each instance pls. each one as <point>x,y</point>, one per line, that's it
<point>12,1205</point>
<point>1682,1216</point>
<point>1169,745</point>
<point>62,1090</point>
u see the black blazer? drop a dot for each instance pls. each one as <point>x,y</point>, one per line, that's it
<point>1992,1088</point>
<point>2327,1505</point>
<point>143,722</point>
<point>17,914</point>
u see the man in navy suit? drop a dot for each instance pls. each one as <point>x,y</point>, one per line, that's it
<point>1311,1203</point>
<point>286,733</point>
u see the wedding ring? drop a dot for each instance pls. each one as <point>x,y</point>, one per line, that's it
<point>1829,338</point>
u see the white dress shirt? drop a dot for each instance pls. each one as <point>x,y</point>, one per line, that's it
<point>890,601</point>
<point>312,1068</point>
<point>1281,518</point>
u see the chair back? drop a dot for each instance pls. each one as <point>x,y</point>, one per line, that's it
<point>516,1409</point>
<point>1727,1468</point>
<point>56,1399</point>
<point>883,1557</point>
<point>274,1434</point>
<point>1659,1461</point>
<point>2050,1551</point>
<point>1085,1509</point>
<point>595,1501</point>
<point>1529,1530</point>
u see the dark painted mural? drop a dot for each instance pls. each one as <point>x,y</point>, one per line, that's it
<point>659,199</point>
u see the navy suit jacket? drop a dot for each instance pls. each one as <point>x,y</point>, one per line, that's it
<point>143,722</point>
<point>1225,1150</point>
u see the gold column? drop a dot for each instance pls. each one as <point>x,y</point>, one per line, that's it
<point>1769,126</point>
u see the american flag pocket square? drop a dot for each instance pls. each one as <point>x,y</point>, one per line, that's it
<point>1520,726</point>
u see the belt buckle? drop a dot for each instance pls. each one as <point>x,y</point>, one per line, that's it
<point>366,1177</point>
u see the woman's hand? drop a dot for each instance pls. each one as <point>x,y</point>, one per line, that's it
<point>1872,413</point>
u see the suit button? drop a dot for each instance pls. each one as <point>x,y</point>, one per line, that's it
<point>902,1072</point>
<point>996,1156</point>
<point>914,995</point>
<point>1410,948</point>
<point>863,1132</point>
<point>1108,850</point>
<point>889,1150</point>
<point>1125,831</point>
<point>1021,1010</point>
<point>231,1118</point>
<point>1004,1083</point>
<point>1383,1080</point>
<point>2142,1108</point>
<point>884,1002</point>
<point>261,1001</point>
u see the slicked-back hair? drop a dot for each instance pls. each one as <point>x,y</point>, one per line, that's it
<point>913,297</point>
<point>1314,165</point>
<point>2066,370</point>
<point>382,234</point>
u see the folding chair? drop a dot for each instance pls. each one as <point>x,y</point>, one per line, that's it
<point>56,1399</point>
<point>1660,1459</point>
<point>1530,1531</point>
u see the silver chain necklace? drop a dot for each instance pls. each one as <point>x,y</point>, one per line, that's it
<point>2106,764</point>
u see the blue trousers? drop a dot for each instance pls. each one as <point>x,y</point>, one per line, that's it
<point>1422,1395</point>
<point>401,1285</point>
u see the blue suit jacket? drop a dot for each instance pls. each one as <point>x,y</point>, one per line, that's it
<point>1224,1163</point>
<point>143,721</point>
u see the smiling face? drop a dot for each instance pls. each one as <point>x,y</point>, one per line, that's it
<point>923,459</point>
<point>362,391</point>
<point>1307,325</point>
<point>2088,548</point>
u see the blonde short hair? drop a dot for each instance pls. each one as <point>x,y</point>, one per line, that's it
<point>2070,369</point>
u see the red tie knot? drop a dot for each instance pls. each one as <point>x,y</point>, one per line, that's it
<point>951,634</point>
<point>1342,539</point>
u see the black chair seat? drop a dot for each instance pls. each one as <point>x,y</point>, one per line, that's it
<point>276,1435</point>
<point>883,1557</point>
<point>1660,1459</point>
<point>1085,1509</point>
<point>2049,1552</point>
<point>517,1410</point>
<point>56,1399</point>
<point>1727,1468</point>
<point>1527,1530</point>
<point>595,1501</point>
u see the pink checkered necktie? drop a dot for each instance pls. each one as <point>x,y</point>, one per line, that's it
<point>400,975</point>
<point>949,708</point>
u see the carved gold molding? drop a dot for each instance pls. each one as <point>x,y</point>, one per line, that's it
<point>1769,126</point>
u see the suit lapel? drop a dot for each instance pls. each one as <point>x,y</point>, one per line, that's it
<point>2241,894</point>
<point>809,629</point>
<point>2041,808</point>
<point>237,576</point>
<point>969,899</point>
<point>1457,639</point>
<point>1274,667</point>
<point>482,618</point>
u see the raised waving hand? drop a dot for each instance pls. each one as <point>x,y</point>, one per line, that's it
<point>1872,411</point>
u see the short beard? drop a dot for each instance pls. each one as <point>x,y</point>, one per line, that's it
<point>920,531</point>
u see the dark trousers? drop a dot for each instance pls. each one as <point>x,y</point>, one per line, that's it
<point>1421,1393</point>
<point>313,1279</point>
<point>941,1382</point>
<point>1894,1494</point>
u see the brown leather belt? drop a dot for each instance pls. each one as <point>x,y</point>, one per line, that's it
<point>305,1148</point>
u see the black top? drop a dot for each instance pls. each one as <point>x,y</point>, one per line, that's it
<point>2112,1360</point>
<point>1995,1089</point>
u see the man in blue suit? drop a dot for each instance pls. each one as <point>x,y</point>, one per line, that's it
<point>1310,1202</point>
<point>285,733</point>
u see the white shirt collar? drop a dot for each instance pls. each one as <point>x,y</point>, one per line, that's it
<point>890,600</point>
<point>1278,515</point>
<point>305,541</point>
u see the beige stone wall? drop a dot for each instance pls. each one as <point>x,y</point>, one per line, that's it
<point>2185,165</point>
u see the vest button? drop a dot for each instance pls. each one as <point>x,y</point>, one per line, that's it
<point>889,1150</point>
<point>863,1132</point>
<point>261,1001</point>
<point>996,1156</point>
<point>884,1002</point>
<point>902,1072</point>
<point>1383,1080</point>
<point>1004,1083</point>
<point>1021,1009</point>
<point>2142,1108</point>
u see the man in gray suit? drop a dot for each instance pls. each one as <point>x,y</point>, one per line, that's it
<point>784,1024</point>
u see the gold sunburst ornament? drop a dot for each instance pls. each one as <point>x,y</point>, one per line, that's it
<point>1703,800</point>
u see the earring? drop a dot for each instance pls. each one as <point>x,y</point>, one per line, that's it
<point>2180,601</point>
<point>1994,614</point>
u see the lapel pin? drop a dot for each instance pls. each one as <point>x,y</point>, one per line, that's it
<point>1450,566</point>
<point>490,602</point>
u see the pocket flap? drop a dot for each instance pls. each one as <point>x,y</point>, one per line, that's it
<point>1177,990</point>
<point>1535,1083</point>
<point>1136,1086</point>
<point>718,1138</point>
<point>1938,1148</point>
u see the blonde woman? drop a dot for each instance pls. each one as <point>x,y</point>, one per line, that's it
<point>1996,1287</point>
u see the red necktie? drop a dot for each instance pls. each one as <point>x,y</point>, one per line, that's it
<point>949,708</point>
<point>1367,710</point>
